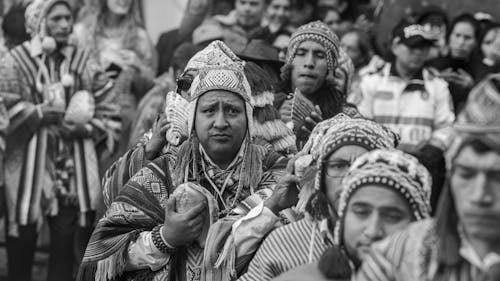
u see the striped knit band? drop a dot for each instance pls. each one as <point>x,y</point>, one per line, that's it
<point>393,169</point>
<point>318,32</point>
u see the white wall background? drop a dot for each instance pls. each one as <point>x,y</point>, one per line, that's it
<point>162,15</point>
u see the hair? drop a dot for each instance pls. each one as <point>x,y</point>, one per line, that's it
<point>494,26</point>
<point>93,15</point>
<point>365,45</point>
<point>465,18</point>
<point>183,54</point>
<point>13,26</point>
<point>433,11</point>
<point>330,99</point>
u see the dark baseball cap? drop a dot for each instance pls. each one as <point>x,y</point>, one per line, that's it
<point>414,35</point>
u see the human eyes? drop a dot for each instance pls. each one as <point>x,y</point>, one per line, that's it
<point>320,55</point>
<point>338,165</point>
<point>234,110</point>
<point>301,52</point>
<point>465,173</point>
<point>393,217</point>
<point>208,110</point>
<point>360,211</point>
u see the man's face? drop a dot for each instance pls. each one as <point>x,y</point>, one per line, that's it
<point>250,12</point>
<point>475,185</point>
<point>462,40</point>
<point>59,23</point>
<point>119,7</point>
<point>350,43</point>
<point>281,43</point>
<point>373,213</point>
<point>278,11</point>
<point>221,123</point>
<point>411,58</point>
<point>335,168</point>
<point>310,67</point>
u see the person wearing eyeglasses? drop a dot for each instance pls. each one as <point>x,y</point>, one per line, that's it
<point>322,164</point>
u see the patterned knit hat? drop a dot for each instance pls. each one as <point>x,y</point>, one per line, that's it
<point>393,169</point>
<point>35,15</point>
<point>226,77</point>
<point>333,133</point>
<point>480,118</point>
<point>318,32</point>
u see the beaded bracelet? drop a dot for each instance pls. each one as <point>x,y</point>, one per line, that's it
<point>158,241</point>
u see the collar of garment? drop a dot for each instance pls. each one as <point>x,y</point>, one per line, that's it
<point>468,252</point>
<point>233,163</point>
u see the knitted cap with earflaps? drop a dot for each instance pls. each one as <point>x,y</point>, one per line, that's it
<point>394,170</point>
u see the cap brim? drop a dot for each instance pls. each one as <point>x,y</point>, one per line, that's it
<point>418,41</point>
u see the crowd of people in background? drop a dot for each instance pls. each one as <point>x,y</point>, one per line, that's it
<point>259,140</point>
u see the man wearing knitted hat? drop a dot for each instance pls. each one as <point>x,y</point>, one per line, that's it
<point>463,241</point>
<point>333,145</point>
<point>316,77</point>
<point>237,177</point>
<point>56,101</point>
<point>383,191</point>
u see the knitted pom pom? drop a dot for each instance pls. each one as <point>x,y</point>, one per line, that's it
<point>67,80</point>
<point>49,44</point>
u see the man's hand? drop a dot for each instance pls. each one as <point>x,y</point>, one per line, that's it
<point>312,121</point>
<point>158,139</point>
<point>285,194</point>
<point>51,115</point>
<point>460,77</point>
<point>182,229</point>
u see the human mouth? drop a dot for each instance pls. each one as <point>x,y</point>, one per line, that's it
<point>221,137</point>
<point>308,76</point>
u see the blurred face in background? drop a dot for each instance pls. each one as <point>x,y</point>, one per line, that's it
<point>411,58</point>
<point>462,40</point>
<point>491,46</point>
<point>333,20</point>
<point>278,12</point>
<point>119,7</point>
<point>60,23</point>
<point>350,43</point>
<point>250,12</point>
<point>281,43</point>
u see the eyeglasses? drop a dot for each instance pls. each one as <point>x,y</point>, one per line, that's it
<point>336,168</point>
<point>184,83</point>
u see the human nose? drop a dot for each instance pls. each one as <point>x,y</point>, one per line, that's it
<point>374,229</point>
<point>481,194</point>
<point>309,60</point>
<point>220,120</point>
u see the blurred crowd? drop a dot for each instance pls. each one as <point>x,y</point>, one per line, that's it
<point>259,140</point>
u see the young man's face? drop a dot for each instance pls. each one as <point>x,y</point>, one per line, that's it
<point>373,213</point>
<point>59,23</point>
<point>310,66</point>
<point>250,12</point>
<point>411,58</point>
<point>475,185</point>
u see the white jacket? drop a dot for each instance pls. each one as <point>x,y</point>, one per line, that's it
<point>419,110</point>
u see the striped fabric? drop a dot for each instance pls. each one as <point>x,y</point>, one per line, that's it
<point>31,152</point>
<point>285,248</point>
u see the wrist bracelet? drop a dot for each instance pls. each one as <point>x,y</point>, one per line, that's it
<point>159,242</point>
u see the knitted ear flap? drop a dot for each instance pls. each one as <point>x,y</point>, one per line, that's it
<point>334,264</point>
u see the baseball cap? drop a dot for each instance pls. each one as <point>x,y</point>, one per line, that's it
<point>414,35</point>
